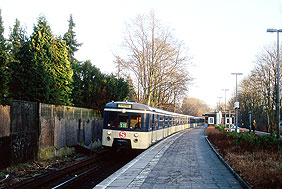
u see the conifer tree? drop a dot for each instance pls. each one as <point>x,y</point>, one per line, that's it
<point>17,38</point>
<point>61,73</point>
<point>51,68</point>
<point>3,66</point>
<point>72,44</point>
<point>18,60</point>
<point>41,43</point>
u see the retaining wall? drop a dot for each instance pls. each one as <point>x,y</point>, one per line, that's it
<point>5,136</point>
<point>29,130</point>
<point>63,127</point>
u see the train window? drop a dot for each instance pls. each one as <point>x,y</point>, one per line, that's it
<point>153,120</point>
<point>161,121</point>
<point>112,119</point>
<point>135,122</point>
<point>156,120</point>
<point>123,121</point>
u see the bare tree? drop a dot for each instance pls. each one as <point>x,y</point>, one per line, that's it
<point>258,90</point>
<point>156,60</point>
<point>194,106</point>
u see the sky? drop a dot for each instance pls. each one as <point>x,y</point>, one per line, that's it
<point>222,36</point>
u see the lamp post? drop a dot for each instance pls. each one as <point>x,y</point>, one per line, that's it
<point>218,119</point>
<point>236,103</point>
<point>219,97</point>
<point>225,106</point>
<point>250,121</point>
<point>278,97</point>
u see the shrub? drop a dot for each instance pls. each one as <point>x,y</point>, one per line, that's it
<point>220,127</point>
<point>265,141</point>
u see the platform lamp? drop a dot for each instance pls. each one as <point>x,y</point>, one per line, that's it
<point>278,97</point>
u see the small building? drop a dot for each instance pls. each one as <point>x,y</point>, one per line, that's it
<point>219,118</point>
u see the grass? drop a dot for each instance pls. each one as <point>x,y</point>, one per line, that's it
<point>256,159</point>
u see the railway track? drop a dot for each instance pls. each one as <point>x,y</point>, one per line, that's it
<point>98,167</point>
<point>46,180</point>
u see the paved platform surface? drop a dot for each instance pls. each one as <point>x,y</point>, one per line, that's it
<point>184,160</point>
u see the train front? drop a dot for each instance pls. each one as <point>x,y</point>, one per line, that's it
<point>125,126</point>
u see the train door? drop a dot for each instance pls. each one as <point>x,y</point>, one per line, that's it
<point>160,127</point>
<point>165,126</point>
<point>154,125</point>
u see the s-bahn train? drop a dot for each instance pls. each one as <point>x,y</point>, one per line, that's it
<point>137,126</point>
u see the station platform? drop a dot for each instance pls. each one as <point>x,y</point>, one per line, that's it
<point>183,160</point>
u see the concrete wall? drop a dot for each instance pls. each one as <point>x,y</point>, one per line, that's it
<point>29,130</point>
<point>4,136</point>
<point>24,131</point>
<point>4,121</point>
<point>62,127</point>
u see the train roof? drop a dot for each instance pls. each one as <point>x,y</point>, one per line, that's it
<point>138,106</point>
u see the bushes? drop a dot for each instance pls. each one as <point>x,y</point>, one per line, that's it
<point>255,158</point>
<point>220,127</point>
<point>255,141</point>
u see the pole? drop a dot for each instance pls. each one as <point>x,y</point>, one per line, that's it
<point>229,118</point>
<point>278,95</point>
<point>225,106</point>
<point>236,109</point>
<point>250,121</point>
<point>236,103</point>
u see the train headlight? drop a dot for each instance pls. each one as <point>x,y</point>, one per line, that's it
<point>108,138</point>
<point>136,134</point>
<point>109,132</point>
<point>135,140</point>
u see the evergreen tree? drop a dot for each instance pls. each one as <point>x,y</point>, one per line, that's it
<point>117,89</point>
<point>16,40</point>
<point>50,68</point>
<point>18,60</point>
<point>3,66</point>
<point>41,52</point>
<point>61,73</point>
<point>91,85</point>
<point>97,88</point>
<point>72,44</point>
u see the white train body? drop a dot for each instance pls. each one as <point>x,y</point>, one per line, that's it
<point>137,126</point>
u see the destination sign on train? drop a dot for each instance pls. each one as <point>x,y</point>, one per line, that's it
<point>129,106</point>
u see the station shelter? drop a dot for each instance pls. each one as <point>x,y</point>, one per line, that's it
<point>219,118</point>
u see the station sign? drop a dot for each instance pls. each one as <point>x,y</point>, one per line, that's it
<point>236,104</point>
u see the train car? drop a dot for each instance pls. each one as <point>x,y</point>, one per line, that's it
<point>137,126</point>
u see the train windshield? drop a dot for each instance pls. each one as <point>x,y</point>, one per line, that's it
<point>123,121</point>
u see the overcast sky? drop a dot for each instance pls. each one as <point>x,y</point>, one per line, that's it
<point>223,36</point>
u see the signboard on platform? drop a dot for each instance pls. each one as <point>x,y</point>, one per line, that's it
<point>236,104</point>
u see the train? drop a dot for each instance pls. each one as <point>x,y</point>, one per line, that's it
<point>131,125</point>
